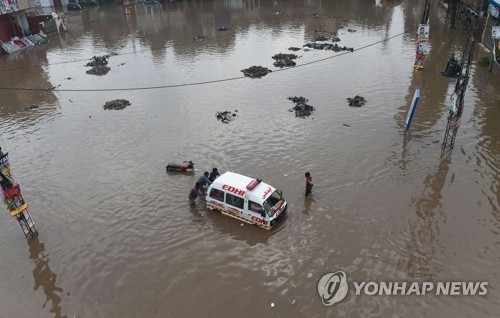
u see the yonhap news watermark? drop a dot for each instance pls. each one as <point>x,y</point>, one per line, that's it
<point>334,287</point>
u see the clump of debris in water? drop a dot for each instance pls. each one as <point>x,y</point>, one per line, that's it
<point>327,47</point>
<point>117,104</point>
<point>256,71</point>
<point>357,101</point>
<point>301,108</point>
<point>99,65</point>
<point>284,60</point>
<point>226,116</point>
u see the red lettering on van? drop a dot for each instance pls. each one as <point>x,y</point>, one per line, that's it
<point>256,219</point>
<point>233,190</point>
<point>266,193</point>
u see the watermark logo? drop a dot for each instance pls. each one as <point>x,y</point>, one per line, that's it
<point>333,287</point>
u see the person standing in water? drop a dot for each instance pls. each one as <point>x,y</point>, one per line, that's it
<point>309,184</point>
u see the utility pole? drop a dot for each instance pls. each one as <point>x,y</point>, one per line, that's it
<point>422,37</point>
<point>425,15</point>
<point>13,199</point>
<point>460,71</point>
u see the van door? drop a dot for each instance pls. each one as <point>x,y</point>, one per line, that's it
<point>255,213</point>
<point>235,205</point>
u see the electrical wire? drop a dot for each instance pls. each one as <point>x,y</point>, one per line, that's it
<point>55,89</point>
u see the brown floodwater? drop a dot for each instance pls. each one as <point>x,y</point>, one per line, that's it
<point>117,236</point>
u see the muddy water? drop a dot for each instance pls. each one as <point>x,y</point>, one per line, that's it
<point>117,235</point>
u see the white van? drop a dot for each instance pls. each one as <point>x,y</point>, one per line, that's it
<point>246,199</point>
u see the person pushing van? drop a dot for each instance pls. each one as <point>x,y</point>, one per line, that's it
<point>204,181</point>
<point>195,192</point>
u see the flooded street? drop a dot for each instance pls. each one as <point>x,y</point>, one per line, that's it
<point>117,235</point>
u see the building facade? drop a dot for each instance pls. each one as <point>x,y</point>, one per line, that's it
<point>13,19</point>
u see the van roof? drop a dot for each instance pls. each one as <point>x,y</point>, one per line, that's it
<point>259,194</point>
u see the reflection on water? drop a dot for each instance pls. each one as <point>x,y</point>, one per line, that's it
<point>229,227</point>
<point>45,278</point>
<point>424,230</point>
<point>307,205</point>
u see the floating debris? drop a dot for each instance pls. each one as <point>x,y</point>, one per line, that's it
<point>284,63</point>
<point>321,38</point>
<point>293,48</point>
<point>298,99</point>
<point>302,109</point>
<point>327,46</point>
<point>284,60</point>
<point>282,56</point>
<point>98,64</point>
<point>99,70</point>
<point>351,30</point>
<point>256,71</point>
<point>199,37</point>
<point>357,101</point>
<point>30,107</point>
<point>225,116</point>
<point>223,29</point>
<point>98,60</point>
<point>68,78</point>
<point>117,104</point>
<point>278,13</point>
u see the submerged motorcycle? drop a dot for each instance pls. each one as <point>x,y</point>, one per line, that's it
<point>186,166</point>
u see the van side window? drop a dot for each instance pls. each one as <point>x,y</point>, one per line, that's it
<point>234,200</point>
<point>217,195</point>
<point>255,207</point>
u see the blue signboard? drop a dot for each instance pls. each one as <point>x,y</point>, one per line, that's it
<point>413,108</point>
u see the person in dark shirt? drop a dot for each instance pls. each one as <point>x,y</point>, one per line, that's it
<point>204,181</point>
<point>309,183</point>
<point>214,174</point>
<point>195,192</point>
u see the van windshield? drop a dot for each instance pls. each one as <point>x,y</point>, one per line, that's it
<point>273,203</point>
